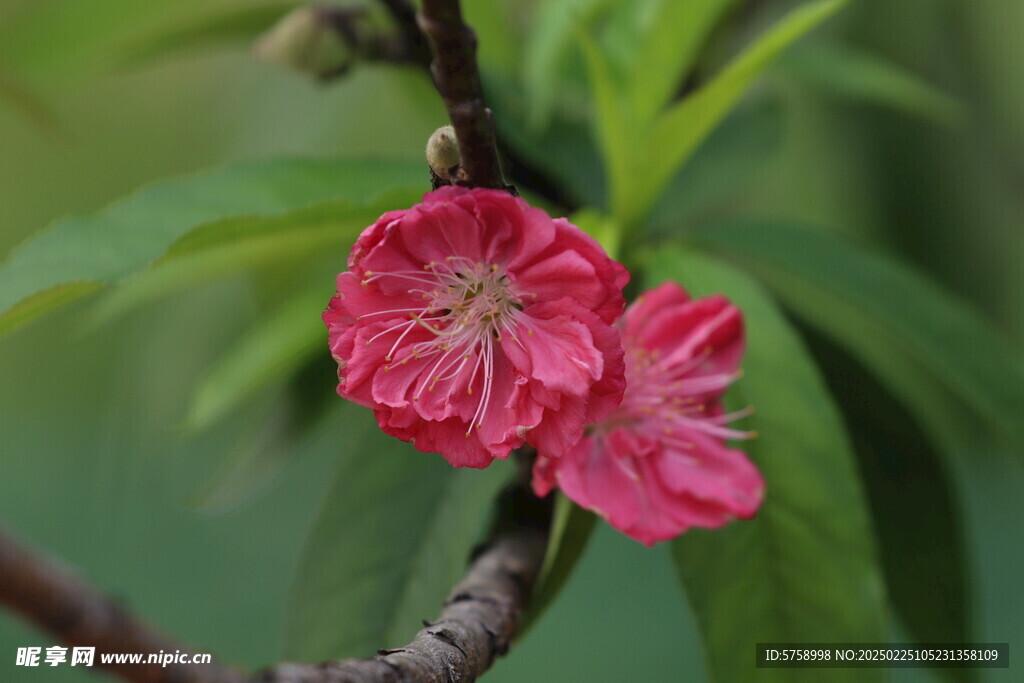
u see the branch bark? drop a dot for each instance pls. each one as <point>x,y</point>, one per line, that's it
<point>457,79</point>
<point>62,604</point>
<point>483,612</point>
<point>478,621</point>
<point>475,626</point>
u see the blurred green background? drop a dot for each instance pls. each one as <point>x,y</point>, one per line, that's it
<point>95,467</point>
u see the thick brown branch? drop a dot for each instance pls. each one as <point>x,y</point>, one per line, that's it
<point>63,605</point>
<point>457,78</point>
<point>478,621</point>
<point>475,626</point>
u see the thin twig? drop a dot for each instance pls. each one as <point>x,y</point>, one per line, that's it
<point>478,621</point>
<point>457,79</point>
<point>404,15</point>
<point>62,604</point>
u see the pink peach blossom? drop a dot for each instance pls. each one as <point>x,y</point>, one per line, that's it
<point>658,465</point>
<point>473,322</point>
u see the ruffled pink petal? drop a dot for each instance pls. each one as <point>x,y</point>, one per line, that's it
<point>712,473</point>
<point>606,394</point>
<point>372,236</point>
<point>712,327</point>
<point>364,361</point>
<point>560,275</point>
<point>433,232</point>
<point>561,429</point>
<point>544,471</point>
<point>649,304</point>
<point>515,413</point>
<point>613,274</point>
<point>447,437</point>
<point>593,476</point>
<point>561,350</point>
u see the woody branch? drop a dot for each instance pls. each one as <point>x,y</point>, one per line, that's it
<point>457,79</point>
<point>482,614</point>
<point>476,624</point>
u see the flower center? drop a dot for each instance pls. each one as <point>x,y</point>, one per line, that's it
<point>667,396</point>
<point>468,308</point>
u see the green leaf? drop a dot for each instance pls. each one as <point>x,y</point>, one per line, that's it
<point>499,32</point>
<point>913,503</point>
<point>676,134</point>
<point>289,417</point>
<point>270,349</point>
<point>805,570</point>
<point>616,132</point>
<point>300,238</point>
<point>891,318</point>
<point>38,303</point>
<point>565,150</point>
<point>674,32</point>
<point>727,162</point>
<point>600,227</point>
<point>29,104</point>
<point>80,255</point>
<point>393,537</point>
<point>571,528</point>
<point>857,75</point>
<point>47,40</point>
<point>256,459</point>
<point>237,26</point>
<point>547,46</point>
<point>310,226</point>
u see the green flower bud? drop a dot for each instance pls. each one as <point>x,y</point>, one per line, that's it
<point>306,40</point>
<point>443,152</point>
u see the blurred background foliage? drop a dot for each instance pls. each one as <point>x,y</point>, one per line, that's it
<point>136,442</point>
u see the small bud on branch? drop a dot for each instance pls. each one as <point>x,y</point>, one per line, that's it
<point>443,155</point>
<point>457,79</point>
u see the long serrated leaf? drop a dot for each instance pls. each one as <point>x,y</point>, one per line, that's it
<point>270,349</point>
<point>253,462</point>
<point>913,503</point>
<point>230,27</point>
<point>394,535</point>
<point>675,32</point>
<point>547,46</point>
<point>887,315</point>
<point>29,104</point>
<point>806,569</point>
<point>615,130</point>
<point>678,131</point>
<point>80,255</point>
<point>721,168</point>
<point>221,248</point>
<point>295,412</point>
<point>565,150</point>
<point>858,75</point>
